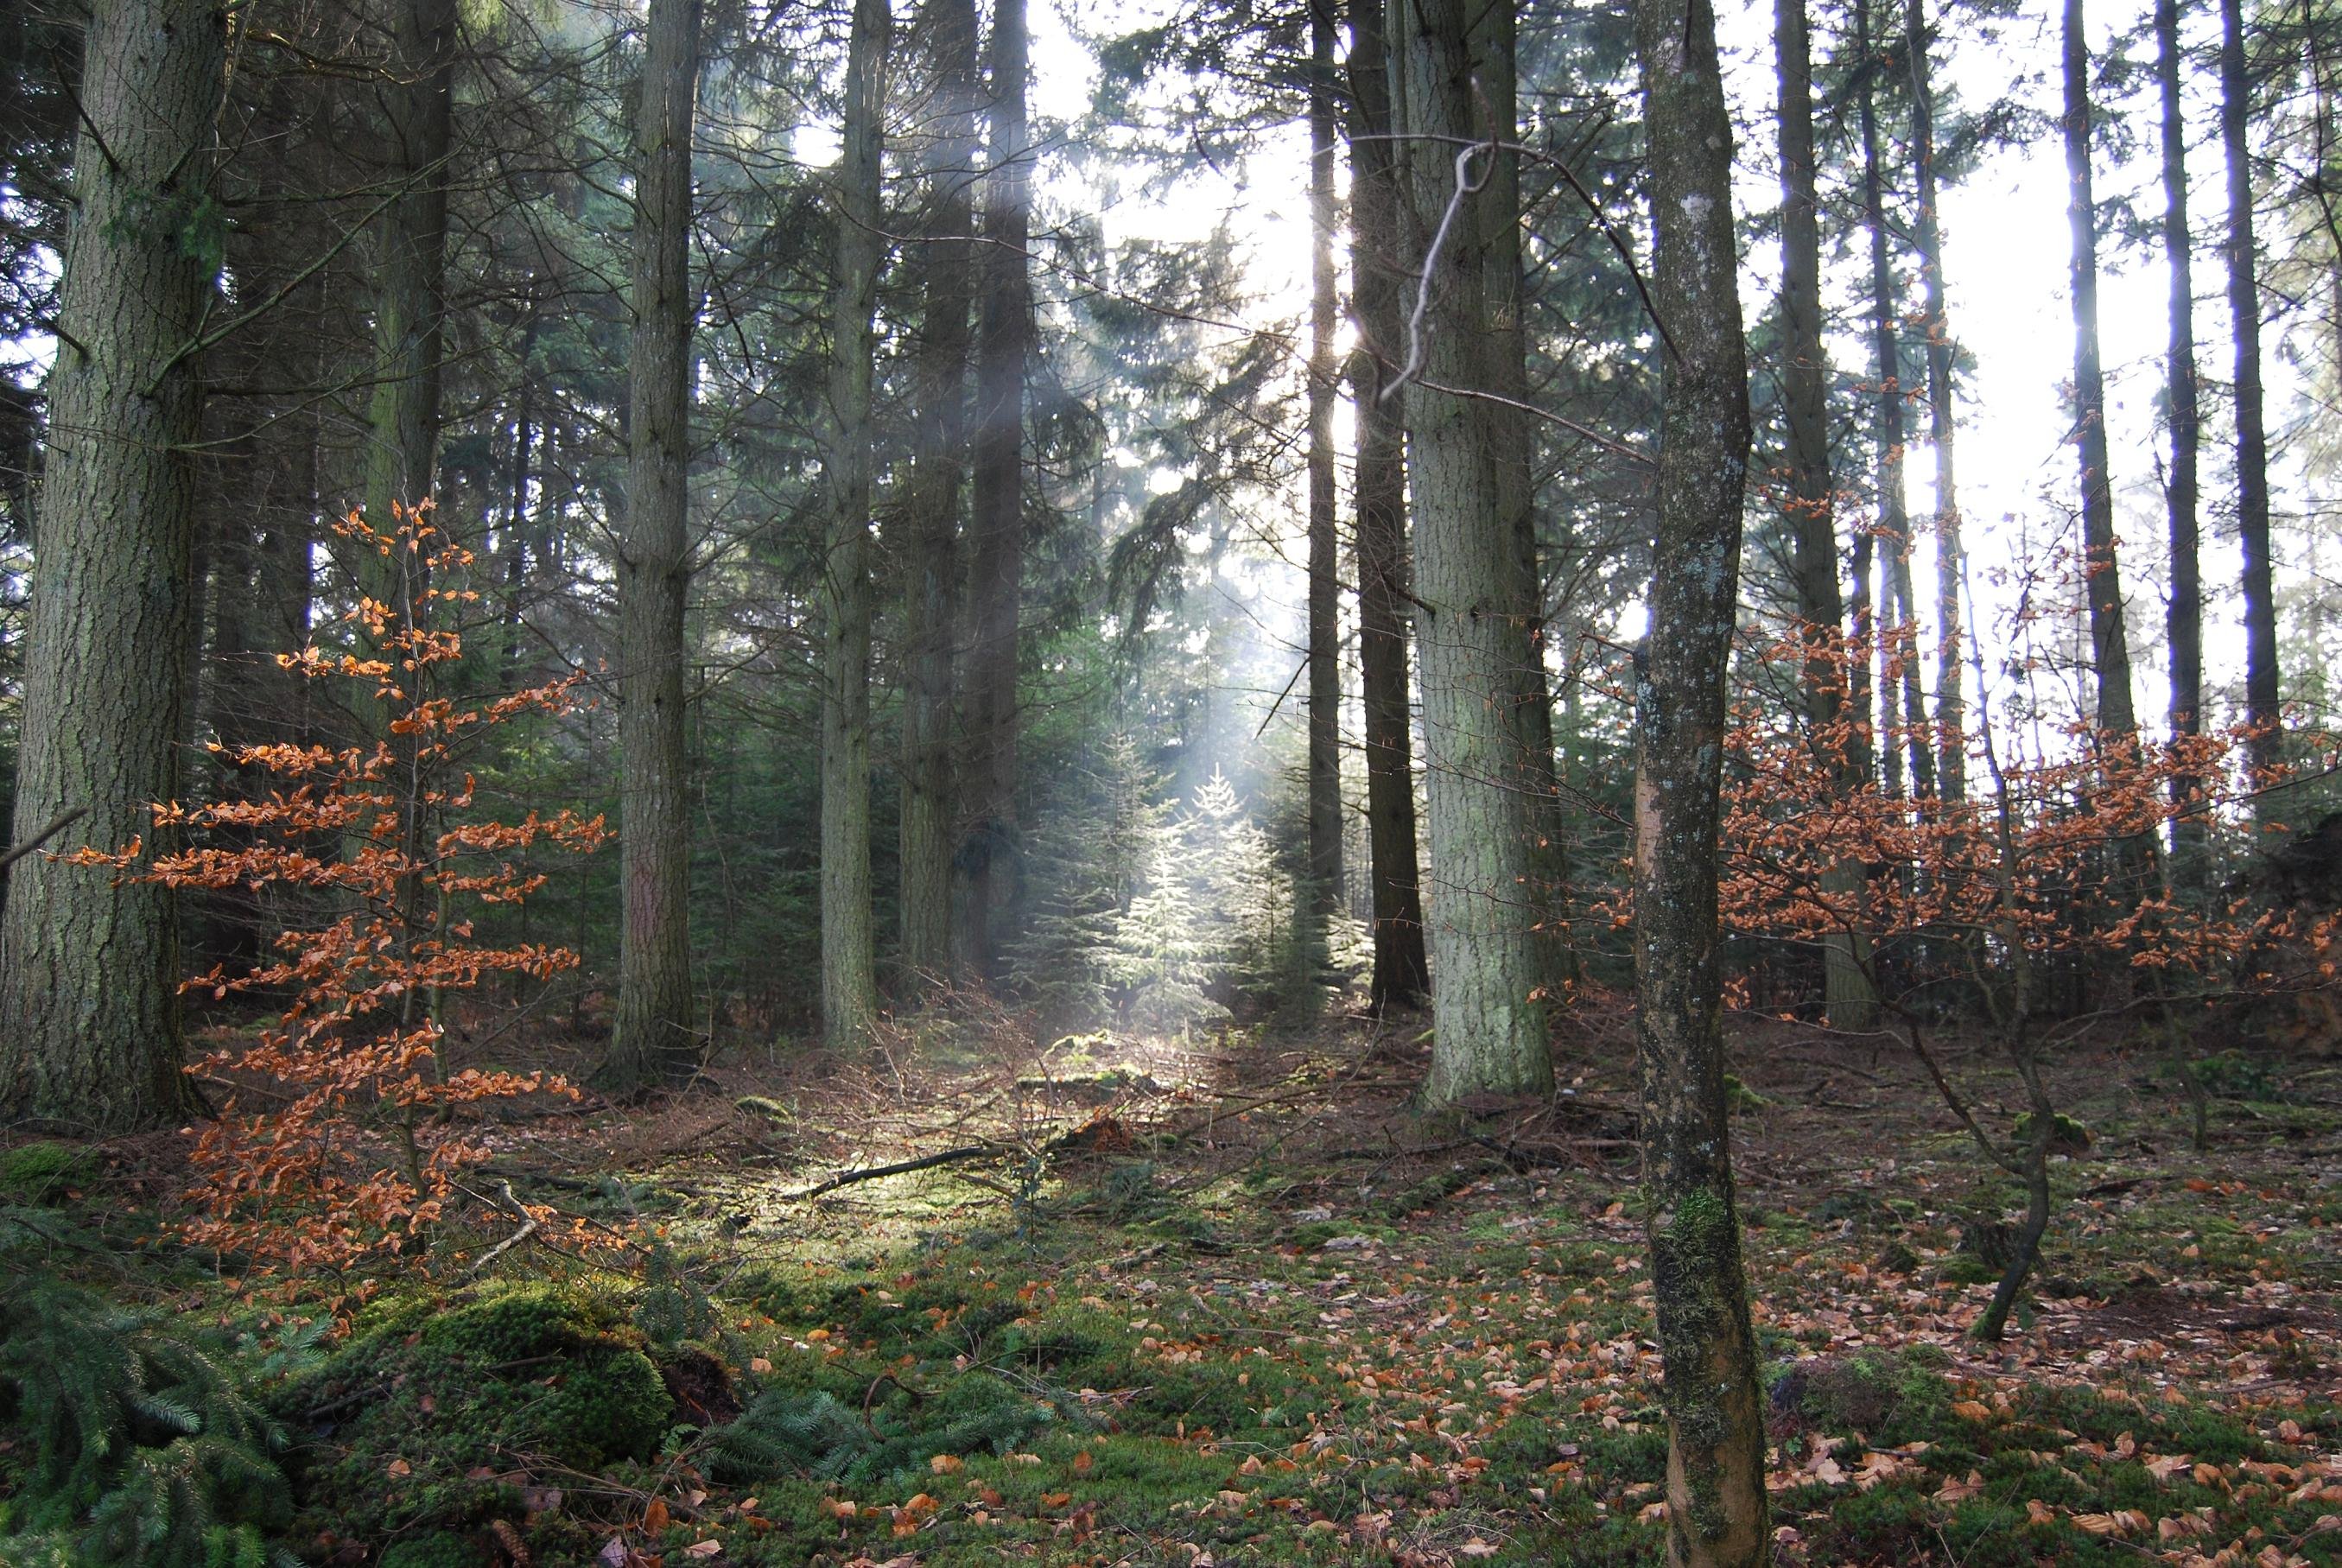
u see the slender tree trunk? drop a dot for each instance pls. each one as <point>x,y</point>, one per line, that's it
<point>1951,701</point>
<point>849,989</point>
<point>997,522</point>
<point>2110,647</point>
<point>2185,621</point>
<point>1917,730</point>
<point>1715,1428</point>
<point>410,307</point>
<point>515,542</point>
<point>1473,604</point>
<point>89,971</point>
<point>654,1040</point>
<point>1813,496</point>
<point>1892,530</point>
<point>2262,710</point>
<point>1402,969</point>
<point>946,267</point>
<point>1325,570</point>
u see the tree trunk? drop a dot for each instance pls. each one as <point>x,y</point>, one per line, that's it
<point>1474,604</point>
<point>945,268</point>
<point>2109,646</point>
<point>2262,710</point>
<point>1813,497</point>
<point>1951,701</point>
<point>1324,784</point>
<point>654,1040</point>
<point>2184,621</point>
<point>410,307</point>
<point>1715,1461</point>
<point>1402,971</point>
<point>997,522</point>
<point>1892,530</point>
<point>1495,83</point>
<point>849,992</point>
<point>89,971</point>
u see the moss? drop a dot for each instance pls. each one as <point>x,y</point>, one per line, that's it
<point>2066,1136</point>
<point>44,1172</point>
<point>440,1549</point>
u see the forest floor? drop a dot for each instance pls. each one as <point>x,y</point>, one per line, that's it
<point>1235,1303</point>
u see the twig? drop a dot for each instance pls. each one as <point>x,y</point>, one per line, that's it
<point>899,1168</point>
<point>527,1229</point>
<point>57,824</point>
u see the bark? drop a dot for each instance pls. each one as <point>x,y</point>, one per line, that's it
<point>410,304</point>
<point>2261,698</point>
<point>1951,700</point>
<point>1325,782</point>
<point>1716,1461</point>
<point>849,992</point>
<point>1474,603</point>
<point>1402,969</point>
<point>89,971</point>
<point>654,1039</point>
<point>2184,619</point>
<point>946,267</point>
<point>1813,497</point>
<point>989,854</point>
<point>1892,530</point>
<point>1495,77</point>
<point>2110,645</point>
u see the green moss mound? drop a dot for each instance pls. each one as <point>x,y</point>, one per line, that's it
<point>433,1394</point>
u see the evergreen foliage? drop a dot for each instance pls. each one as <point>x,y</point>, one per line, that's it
<point>815,1434</point>
<point>144,1449</point>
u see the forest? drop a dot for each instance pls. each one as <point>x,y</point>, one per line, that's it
<point>1186,783</point>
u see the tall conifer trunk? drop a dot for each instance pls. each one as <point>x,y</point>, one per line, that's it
<point>1716,1426</point>
<point>997,522</point>
<point>410,304</point>
<point>89,971</point>
<point>2261,689</point>
<point>1402,971</point>
<point>849,989</point>
<point>1472,600</point>
<point>1892,532</point>
<point>653,1040</point>
<point>1324,653</point>
<point>945,282</point>
<point>2110,645</point>
<point>1951,701</point>
<point>2184,619</point>
<point>1496,78</point>
<point>1813,499</point>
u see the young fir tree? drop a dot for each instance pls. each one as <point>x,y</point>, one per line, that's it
<point>1161,961</point>
<point>1095,847</point>
<point>1246,899</point>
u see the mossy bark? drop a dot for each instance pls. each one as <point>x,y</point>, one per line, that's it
<point>89,970</point>
<point>1715,1463</point>
<point>1474,601</point>
<point>654,1040</point>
